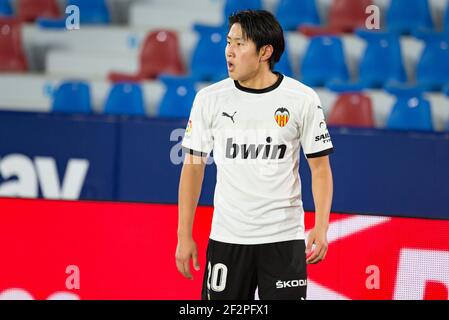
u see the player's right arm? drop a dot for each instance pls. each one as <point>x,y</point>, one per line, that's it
<point>190,183</point>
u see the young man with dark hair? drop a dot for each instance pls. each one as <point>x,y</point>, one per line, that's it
<point>255,122</point>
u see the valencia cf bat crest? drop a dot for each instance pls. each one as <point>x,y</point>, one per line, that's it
<point>281,116</point>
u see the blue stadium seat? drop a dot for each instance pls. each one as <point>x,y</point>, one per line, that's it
<point>405,16</point>
<point>446,90</point>
<point>232,6</point>
<point>92,11</point>
<point>381,63</point>
<point>284,66</point>
<point>208,59</point>
<point>50,23</point>
<point>410,112</point>
<point>178,98</point>
<point>5,8</point>
<point>446,19</point>
<point>125,99</point>
<point>432,71</point>
<point>324,62</point>
<point>293,13</point>
<point>72,97</point>
<point>345,87</point>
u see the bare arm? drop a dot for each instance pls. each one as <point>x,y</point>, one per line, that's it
<point>322,189</point>
<point>190,183</point>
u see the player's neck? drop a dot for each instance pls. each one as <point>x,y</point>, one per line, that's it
<point>261,80</point>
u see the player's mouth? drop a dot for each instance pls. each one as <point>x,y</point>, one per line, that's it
<point>231,66</point>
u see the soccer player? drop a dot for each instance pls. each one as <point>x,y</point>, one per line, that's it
<point>255,122</point>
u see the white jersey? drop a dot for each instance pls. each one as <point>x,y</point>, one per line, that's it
<point>256,136</point>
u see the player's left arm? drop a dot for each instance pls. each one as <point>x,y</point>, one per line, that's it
<point>322,189</point>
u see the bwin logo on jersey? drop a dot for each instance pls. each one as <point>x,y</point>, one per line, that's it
<point>290,283</point>
<point>252,151</point>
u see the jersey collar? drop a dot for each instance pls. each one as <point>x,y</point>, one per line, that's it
<point>264,90</point>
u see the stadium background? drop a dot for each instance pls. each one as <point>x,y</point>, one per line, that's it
<point>89,170</point>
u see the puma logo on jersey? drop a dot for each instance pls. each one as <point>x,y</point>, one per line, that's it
<point>252,151</point>
<point>230,117</point>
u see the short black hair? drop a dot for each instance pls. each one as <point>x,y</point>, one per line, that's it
<point>263,28</point>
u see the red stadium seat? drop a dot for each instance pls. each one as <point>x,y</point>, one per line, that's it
<point>12,56</point>
<point>352,110</point>
<point>160,54</point>
<point>344,17</point>
<point>30,10</point>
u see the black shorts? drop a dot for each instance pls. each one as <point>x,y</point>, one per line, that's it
<point>234,271</point>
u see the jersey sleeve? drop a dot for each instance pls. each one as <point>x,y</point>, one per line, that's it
<point>315,138</point>
<point>198,139</point>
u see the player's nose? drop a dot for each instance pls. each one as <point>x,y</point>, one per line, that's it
<point>229,52</point>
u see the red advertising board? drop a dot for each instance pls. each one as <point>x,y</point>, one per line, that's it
<point>105,250</point>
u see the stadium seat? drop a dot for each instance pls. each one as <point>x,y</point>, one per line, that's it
<point>231,6</point>
<point>446,90</point>
<point>178,98</point>
<point>125,99</point>
<point>12,56</point>
<point>208,59</point>
<point>30,10</point>
<point>72,97</point>
<point>92,11</point>
<point>405,16</point>
<point>344,17</point>
<point>410,111</point>
<point>375,72</point>
<point>446,19</point>
<point>352,109</point>
<point>160,54</point>
<point>324,62</point>
<point>284,66</point>
<point>51,23</point>
<point>347,15</point>
<point>5,8</point>
<point>432,71</point>
<point>292,14</point>
<point>342,87</point>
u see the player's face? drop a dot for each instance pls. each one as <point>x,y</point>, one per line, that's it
<point>241,55</point>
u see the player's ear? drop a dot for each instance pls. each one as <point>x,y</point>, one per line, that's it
<point>266,52</point>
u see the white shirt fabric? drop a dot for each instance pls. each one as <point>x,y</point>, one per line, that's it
<point>256,136</point>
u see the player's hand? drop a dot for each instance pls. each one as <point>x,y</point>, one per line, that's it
<point>185,251</point>
<point>317,236</point>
